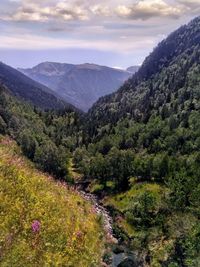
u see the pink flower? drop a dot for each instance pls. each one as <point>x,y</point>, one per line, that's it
<point>79,234</point>
<point>36,226</point>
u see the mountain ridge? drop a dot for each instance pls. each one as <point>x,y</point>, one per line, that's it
<point>29,90</point>
<point>81,84</point>
<point>177,43</point>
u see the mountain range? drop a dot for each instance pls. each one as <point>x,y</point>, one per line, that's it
<point>29,90</point>
<point>80,85</point>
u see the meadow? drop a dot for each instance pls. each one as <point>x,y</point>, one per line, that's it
<point>43,222</point>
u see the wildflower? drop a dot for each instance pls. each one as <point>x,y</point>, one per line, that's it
<point>36,226</point>
<point>79,234</point>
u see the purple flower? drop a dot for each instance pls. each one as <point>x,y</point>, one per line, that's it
<point>36,226</point>
<point>79,234</point>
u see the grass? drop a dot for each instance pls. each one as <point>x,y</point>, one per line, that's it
<point>73,172</point>
<point>121,201</point>
<point>68,232</point>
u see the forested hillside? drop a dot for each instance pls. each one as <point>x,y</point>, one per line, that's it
<point>169,74</point>
<point>143,152</point>
<point>47,138</point>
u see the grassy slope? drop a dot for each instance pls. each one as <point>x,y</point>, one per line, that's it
<point>70,234</point>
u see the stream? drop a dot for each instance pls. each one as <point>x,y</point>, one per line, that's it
<point>123,257</point>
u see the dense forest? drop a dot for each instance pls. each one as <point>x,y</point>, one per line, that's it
<point>138,147</point>
<point>46,137</point>
<point>144,140</point>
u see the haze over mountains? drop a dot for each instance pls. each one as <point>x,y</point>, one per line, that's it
<point>80,85</point>
<point>29,90</point>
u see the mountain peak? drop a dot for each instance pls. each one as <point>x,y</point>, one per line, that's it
<point>80,84</point>
<point>49,68</point>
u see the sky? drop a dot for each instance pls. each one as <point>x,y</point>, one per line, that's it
<point>116,33</point>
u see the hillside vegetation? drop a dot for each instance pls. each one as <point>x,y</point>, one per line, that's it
<point>143,153</point>
<point>43,223</point>
<point>166,80</point>
<point>47,138</point>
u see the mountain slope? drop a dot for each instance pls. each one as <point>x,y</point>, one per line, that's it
<point>46,137</point>
<point>80,85</point>
<point>29,90</point>
<point>165,71</point>
<point>43,222</point>
<point>133,69</point>
<point>143,153</point>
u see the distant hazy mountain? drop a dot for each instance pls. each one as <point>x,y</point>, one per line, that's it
<point>80,85</point>
<point>133,69</point>
<point>27,89</point>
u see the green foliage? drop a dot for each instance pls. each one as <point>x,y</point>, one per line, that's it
<point>51,158</point>
<point>2,126</point>
<point>45,137</point>
<point>149,129</point>
<point>141,209</point>
<point>28,143</point>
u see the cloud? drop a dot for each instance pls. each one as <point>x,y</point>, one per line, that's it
<point>83,10</point>
<point>33,11</point>
<point>191,6</point>
<point>100,10</point>
<point>146,9</point>
<point>189,2</point>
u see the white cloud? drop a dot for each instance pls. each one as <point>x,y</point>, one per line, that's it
<point>80,10</point>
<point>191,6</point>
<point>100,10</point>
<point>33,11</point>
<point>124,10</point>
<point>146,9</point>
<point>117,67</point>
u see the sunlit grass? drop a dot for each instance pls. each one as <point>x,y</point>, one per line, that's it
<point>66,233</point>
<point>121,201</point>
